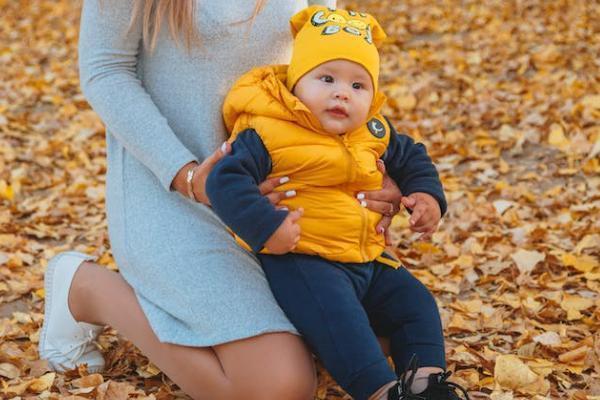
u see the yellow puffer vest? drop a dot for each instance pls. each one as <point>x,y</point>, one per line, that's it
<point>326,170</point>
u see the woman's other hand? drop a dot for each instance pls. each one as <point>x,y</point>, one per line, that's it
<point>267,188</point>
<point>385,201</point>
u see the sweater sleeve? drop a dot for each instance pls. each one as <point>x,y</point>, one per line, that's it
<point>409,165</point>
<point>108,56</point>
<point>232,187</point>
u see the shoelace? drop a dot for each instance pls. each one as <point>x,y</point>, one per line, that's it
<point>406,382</point>
<point>80,349</point>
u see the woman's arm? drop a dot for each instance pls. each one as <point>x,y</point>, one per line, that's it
<point>108,56</point>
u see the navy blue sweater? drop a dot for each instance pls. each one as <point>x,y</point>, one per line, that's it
<point>232,185</point>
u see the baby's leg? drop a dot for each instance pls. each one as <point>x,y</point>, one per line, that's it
<point>402,308</point>
<point>321,300</point>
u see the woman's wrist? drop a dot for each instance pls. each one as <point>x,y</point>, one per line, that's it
<point>179,182</point>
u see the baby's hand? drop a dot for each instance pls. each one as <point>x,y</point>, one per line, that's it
<point>286,237</point>
<point>425,215</point>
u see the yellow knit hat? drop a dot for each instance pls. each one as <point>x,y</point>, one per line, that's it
<point>323,34</point>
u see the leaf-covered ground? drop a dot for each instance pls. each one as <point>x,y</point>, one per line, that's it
<point>506,95</point>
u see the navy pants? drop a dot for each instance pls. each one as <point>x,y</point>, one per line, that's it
<point>341,308</point>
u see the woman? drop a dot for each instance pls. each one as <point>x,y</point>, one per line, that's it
<point>196,304</point>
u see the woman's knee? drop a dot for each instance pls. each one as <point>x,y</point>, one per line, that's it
<point>284,371</point>
<point>286,381</point>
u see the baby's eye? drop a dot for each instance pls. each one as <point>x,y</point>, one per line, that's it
<point>327,78</point>
<point>357,85</point>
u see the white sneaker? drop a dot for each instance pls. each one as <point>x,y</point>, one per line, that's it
<point>64,342</point>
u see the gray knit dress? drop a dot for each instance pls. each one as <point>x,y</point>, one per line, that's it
<point>161,111</point>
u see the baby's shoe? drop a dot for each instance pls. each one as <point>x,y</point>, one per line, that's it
<point>64,342</point>
<point>438,388</point>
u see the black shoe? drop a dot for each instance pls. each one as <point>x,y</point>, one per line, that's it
<point>438,388</point>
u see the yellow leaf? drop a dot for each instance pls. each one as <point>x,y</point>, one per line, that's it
<point>501,185</point>
<point>503,167</point>
<point>88,381</point>
<point>591,101</point>
<point>406,102</point>
<point>527,260</point>
<point>464,261</point>
<point>459,322</point>
<point>6,190</point>
<point>147,371</point>
<point>588,241</point>
<point>582,263</point>
<point>557,137</point>
<point>426,247</point>
<point>9,371</point>
<point>512,373</point>
<point>575,303</point>
<point>42,383</point>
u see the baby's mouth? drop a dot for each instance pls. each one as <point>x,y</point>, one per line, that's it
<point>337,112</point>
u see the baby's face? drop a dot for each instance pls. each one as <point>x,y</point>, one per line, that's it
<point>339,93</point>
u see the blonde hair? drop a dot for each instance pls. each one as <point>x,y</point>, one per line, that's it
<point>180,15</point>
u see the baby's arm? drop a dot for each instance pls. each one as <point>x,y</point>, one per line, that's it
<point>409,165</point>
<point>232,187</point>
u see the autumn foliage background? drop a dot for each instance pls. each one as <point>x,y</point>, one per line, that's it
<point>505,94</point>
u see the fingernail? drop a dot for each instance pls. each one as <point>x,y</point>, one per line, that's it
<point>224,147</point>
<point>284,179</point>
<point>360,196</point>
<point>363,203</point>
<point>290,193</point>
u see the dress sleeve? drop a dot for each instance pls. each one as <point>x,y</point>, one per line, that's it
<point>409,165</point>
<point>232,187</point>
<point>108,57</point>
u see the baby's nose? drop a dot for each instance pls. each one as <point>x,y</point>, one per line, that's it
<point>341,95</point>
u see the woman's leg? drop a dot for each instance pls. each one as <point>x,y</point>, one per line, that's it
<point>270,366</point>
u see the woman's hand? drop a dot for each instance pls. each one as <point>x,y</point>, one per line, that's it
<point>202,171</point>
<point>267,188</point>
<point>385,201</point>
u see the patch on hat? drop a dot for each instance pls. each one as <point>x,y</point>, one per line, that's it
<point>376,127</point>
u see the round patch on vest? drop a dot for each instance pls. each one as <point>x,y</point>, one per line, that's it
<point>376,127</point>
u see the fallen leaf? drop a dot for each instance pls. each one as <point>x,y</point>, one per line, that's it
<point>526,260</point>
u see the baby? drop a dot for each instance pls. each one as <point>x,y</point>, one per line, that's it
<point>316,124</point>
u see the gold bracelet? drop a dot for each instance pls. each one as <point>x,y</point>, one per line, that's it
<point>188,180</point>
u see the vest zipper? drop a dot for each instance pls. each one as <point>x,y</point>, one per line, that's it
<point>364,234</point>
<point>348,158</point>
<point>363,211</point>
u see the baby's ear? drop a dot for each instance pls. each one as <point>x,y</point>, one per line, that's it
<point>301,17</point>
